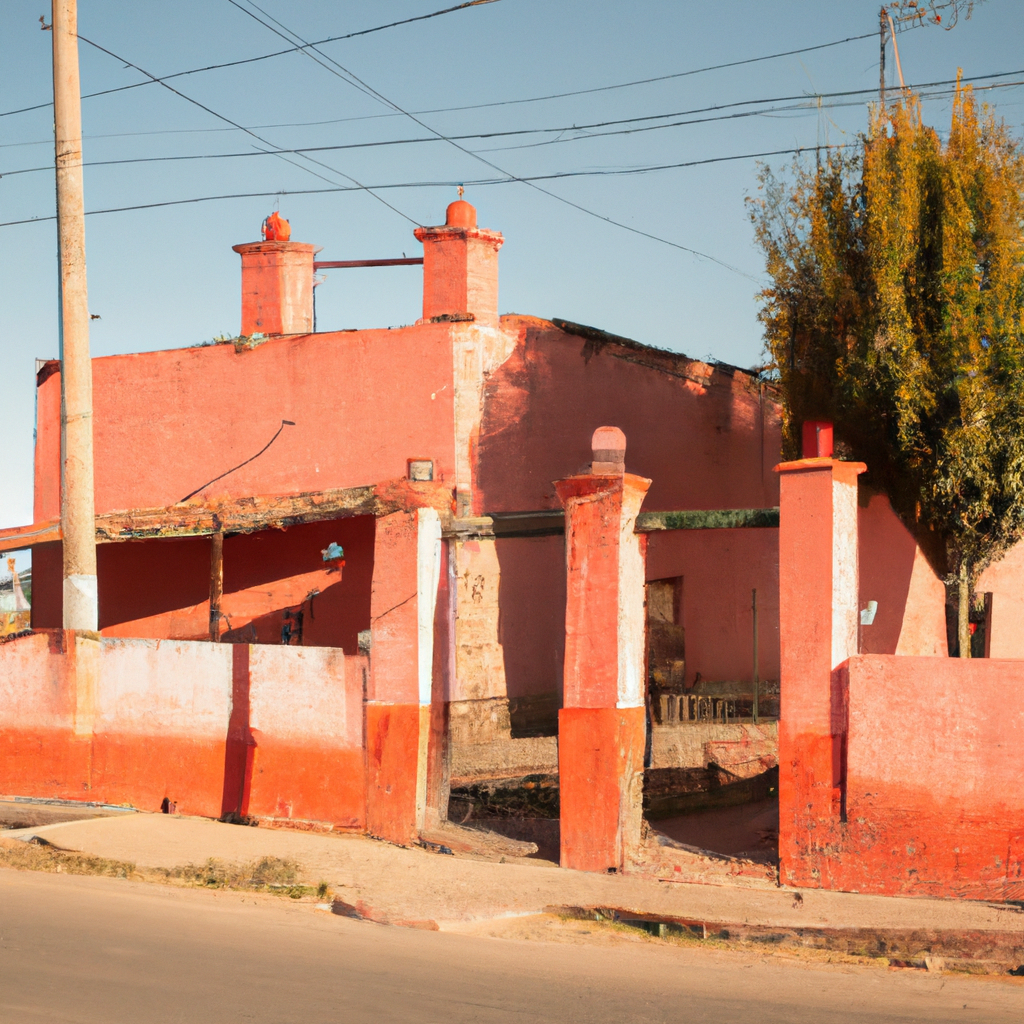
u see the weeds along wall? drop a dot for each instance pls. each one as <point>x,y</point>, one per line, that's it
<point>212,729</point>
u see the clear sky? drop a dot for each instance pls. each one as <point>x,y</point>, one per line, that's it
<point>166,276</point>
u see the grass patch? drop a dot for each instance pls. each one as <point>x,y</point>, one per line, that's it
<point>275,875</point>
<point>44,857</point>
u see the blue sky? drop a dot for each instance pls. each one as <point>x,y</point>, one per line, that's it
<point>167,277</point>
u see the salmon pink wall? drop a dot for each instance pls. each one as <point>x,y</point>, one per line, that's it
<point>1005,581</point>
<point>211,728</point>
<point>720,568</point>
<point>911,615</point>
<point>704,446</point>
<point>932,746</point>
<point>160,588</point>
<point>37,714</point>
<point>306,717</point>
<point>363,403</point>
<point>162,710</point>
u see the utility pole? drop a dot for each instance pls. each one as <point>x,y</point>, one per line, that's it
<point>883,24</point>
<point>77,509</point>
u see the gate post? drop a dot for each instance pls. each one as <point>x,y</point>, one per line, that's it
<point>602,724</point>
<point>818,630</point>
<point>403,604</point>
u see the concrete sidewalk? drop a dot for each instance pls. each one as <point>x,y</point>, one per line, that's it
<point>417,887</point>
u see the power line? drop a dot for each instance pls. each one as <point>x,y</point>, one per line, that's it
<point>481,182</point>
<point>812,107</point>
<point>266,56</point>
<point>346,74</point>
<point>248,131</point>
<point>445,110</point>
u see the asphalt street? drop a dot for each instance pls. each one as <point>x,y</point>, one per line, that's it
<point>76,949</point>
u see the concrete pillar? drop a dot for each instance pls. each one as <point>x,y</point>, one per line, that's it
<point>403,611</point>
<point>277,287</point>
<point>460,268</point>
<point>818,627</point>
<point>602,726</point>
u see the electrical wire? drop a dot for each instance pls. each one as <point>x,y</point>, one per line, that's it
<point>346,75</point>
<point>266,56</point>
<point>248,131</point>
<point>803,106</point>
<point>481,182</point>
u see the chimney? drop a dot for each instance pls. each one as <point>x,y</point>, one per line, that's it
<point>277,282</point>
<point>460,268</point>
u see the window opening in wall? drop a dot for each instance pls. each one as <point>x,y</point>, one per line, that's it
<point>666,644</point>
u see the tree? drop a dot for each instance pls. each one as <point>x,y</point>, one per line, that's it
<point>896,309</point>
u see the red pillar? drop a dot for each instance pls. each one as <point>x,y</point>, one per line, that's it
<point>818,626</point>
<point>460,268</point>
<point>277,287</point>
<point>403,606</point>
<point>602,727</point>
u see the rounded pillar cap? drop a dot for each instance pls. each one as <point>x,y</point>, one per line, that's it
<point>608,439</point>
<point>461,215</point>
<point>609,451</point>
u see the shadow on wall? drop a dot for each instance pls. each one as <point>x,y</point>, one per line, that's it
<point>531,630</point>
<point>276,586</point>
<point>910,617</point>
<point>701,439</point>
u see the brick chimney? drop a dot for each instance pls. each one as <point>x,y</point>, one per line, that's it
<point>460,267</point>
<point>277,287</point>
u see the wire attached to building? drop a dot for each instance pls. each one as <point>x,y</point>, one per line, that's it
<point>284,423</point>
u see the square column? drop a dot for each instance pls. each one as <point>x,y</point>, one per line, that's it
<point>602,724</point>
<point>399,738</point>
<point>277,287</point>
<point>818,629</point>
<point>460,268</point>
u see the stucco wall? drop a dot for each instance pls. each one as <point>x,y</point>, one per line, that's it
<point>135,722</point>
<point>932,747</point>
<point>363,402</point>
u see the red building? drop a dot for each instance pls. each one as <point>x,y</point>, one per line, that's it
<point>469,411</point>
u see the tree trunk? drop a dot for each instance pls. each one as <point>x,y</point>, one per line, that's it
<point>963,619</point>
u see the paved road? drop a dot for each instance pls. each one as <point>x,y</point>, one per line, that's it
<point>102,950</point>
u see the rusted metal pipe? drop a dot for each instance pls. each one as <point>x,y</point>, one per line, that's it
<point>81,606</point>
<point>342,264</point>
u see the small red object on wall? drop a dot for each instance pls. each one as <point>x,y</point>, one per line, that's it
<point>276,228</point>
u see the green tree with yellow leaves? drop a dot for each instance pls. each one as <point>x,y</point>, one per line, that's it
<point>896,310</point>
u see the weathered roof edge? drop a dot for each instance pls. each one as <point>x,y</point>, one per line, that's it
<point>678,364</point>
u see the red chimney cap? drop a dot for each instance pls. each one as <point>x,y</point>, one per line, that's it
<point>461,214</point>
<point>276,228</point>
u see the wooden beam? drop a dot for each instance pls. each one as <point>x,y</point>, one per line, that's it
<point>246,515</point>
<point>16,537</point>
<point>216,583</point>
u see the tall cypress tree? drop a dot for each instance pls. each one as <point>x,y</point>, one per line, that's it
<point>896,309</point>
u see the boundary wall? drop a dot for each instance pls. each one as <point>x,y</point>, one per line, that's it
<point>898,774</point>
<point>212,729</point>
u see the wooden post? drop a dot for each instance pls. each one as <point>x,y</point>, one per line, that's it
<point>78,512</point>
<point>756,680</point>
<point>216,583</point>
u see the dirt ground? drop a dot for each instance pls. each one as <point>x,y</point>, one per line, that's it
<point>93,950</point>
<point>750,830</point>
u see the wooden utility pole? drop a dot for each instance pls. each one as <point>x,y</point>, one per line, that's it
<point>883,24</point>
<point>77,510</point>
